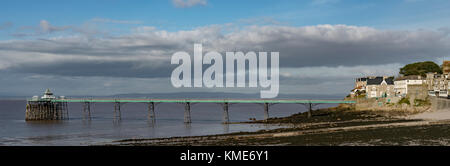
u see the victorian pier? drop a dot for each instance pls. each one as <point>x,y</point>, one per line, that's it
<point>49,107</point>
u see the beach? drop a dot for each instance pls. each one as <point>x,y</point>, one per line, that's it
<point>336,126</point>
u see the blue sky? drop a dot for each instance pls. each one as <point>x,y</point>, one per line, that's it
<point>385,14</point>
<point>105,47</point>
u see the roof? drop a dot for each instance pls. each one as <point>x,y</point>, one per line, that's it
<point>411,77</point>
<point>374,81</point>
<point>361,79</point>
<point>379,80</point>
<point>48,92</point>
<point>390,80</point>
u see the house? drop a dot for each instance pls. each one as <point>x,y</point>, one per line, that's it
<point>360,87</point>
<point>446,71</point>
<point>446,67</point>
<point>380,87</point>
<point>438,84</point>
<point>401,84</point>
<point>361,82</point>
<point>357,91</point>
<point>433,84</point>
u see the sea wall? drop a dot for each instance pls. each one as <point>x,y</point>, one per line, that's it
<point>440,104</point>
<point>388,104</point>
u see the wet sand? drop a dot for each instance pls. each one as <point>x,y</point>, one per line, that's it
<point>339,126</point>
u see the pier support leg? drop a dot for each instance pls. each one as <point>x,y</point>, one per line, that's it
<point>54,114</point>
<point>309,105</point>
<point>226,118</point>
<point>65,110</point>
<point>57,111</point>
<point>87,110</point>
<point>117,113</point>
<point>266,111</point>
<point>45,110</point>
<point>151,112</point>
<point>187,112</point>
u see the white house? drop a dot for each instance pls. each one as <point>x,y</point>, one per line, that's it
<point>401,84</point>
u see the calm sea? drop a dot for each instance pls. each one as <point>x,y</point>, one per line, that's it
<point>206,120</point>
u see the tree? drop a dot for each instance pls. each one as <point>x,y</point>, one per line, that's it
<point>420,68</point>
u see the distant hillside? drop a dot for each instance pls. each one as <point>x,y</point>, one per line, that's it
<point>198,95</point>
<point>219,95</point>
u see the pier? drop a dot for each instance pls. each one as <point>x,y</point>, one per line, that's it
<point>56,108</point>
<point>45,108</point>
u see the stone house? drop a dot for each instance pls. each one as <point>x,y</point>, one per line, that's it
<point>446,67</point>
<point>360,87</point>
<point>380,87</point>
<point>361,82</point>
<point>438,84</point>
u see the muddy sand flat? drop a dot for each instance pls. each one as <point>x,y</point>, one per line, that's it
<point>332,126</point>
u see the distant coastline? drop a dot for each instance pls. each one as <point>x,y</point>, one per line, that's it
<point>220,95</point>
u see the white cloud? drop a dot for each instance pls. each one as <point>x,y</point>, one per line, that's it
<point>5,25</point>
<point>188,3</point>
<point>43,28</point>
<point>47,28</point>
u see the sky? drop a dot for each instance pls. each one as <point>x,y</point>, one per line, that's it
<point>106,47</point>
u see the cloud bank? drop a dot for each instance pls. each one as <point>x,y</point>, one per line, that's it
<point>148,50</point>
<point>310,56</point>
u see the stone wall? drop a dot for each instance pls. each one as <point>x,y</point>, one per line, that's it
<point>387,104</point>
<point>417,92</point>
<point>440,104</point>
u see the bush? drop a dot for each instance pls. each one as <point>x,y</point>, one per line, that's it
<point>362,96</point>
<point>419,102</point>
<point>404,100</point>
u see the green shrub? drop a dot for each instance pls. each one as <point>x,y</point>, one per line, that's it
<point>419,102</point>
<point>361,96</point>
<point>404,100</point>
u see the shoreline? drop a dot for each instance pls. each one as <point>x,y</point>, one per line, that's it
<point>340,125</point>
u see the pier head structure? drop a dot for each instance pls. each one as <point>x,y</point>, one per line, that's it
<point>45,108</point>
<point>49,107</point>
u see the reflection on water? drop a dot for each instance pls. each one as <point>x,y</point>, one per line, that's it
<point>134,122</point>
<point>188,128</point>
<point>151,123</point>
<point>117,122</point>
<point>87,122</point>
<point>226,128</point>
